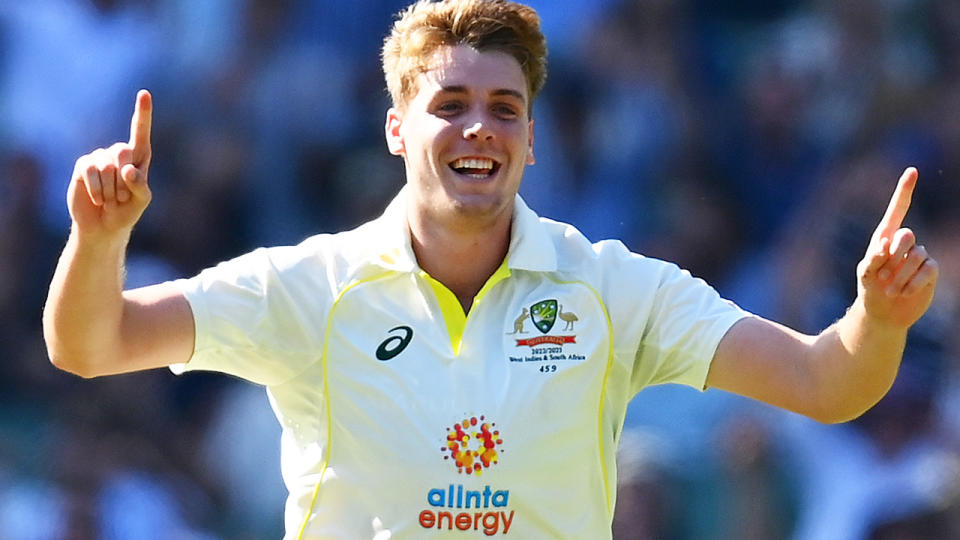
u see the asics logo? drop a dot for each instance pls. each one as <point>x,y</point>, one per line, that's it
<point>394,345</point>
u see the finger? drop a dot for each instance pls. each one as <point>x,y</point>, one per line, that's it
<point>108,179</point>
<point>903,240</point>
<point>875,259</point>
<point>911,264</point>
<point>136,181</point>
<point>123,194</point>
<point>924,277</point>
<point>107,172</point>
<point>91,177</point>
<point>122,155</point>
<point>140,125</point>
<point>899,204</point>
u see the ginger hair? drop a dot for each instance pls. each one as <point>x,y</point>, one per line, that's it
<point>485,25</point>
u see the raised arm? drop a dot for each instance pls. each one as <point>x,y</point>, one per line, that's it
<point>90,325</point>
<point>842,372</point>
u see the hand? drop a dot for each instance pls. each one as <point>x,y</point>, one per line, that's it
<point>108,192</point>
<point>897,277</point>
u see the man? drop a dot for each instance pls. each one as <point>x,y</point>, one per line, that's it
<point>415,398</point>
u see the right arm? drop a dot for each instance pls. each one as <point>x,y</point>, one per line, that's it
<point>91,326</point>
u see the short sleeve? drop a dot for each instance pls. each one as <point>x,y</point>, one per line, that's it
<point>685,322</point>
<point>666,324</point>
<point>258,317</point>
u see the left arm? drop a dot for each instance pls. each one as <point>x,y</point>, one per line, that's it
<point>840,373</point>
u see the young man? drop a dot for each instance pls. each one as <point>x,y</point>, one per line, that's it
<point>459,365</point>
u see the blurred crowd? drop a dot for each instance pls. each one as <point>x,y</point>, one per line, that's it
<point>753,142</point>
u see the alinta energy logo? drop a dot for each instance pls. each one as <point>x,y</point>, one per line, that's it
<point>473,445</point>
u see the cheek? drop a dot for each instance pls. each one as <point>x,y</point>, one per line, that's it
<point>431,134</point>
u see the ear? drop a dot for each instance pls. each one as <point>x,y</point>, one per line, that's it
<point>530,159</point>
<point>392,131</point>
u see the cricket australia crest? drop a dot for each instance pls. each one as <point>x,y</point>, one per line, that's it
<point>547,347</point>
<point>544,314</point>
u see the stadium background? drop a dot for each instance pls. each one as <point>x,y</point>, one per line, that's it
<point>753,142</point>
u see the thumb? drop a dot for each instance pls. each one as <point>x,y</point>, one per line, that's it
<point>136,181</point>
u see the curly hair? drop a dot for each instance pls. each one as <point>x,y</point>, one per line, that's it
<point>485,25</point>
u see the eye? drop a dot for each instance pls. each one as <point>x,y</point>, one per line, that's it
<point>505,111</point>
<point>449,108</point>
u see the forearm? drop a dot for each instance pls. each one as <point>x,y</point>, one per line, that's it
<point>91,326</point>
<point>831,377</point>
<point>854,363</point>
<point>84,309</point>
<point>840,373</point>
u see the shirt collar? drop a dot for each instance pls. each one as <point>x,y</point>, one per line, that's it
<point>530,246</point>
<point>390,237</point>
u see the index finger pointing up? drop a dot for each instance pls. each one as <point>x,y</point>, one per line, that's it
<point>140,128</point>
<point>899,204</point>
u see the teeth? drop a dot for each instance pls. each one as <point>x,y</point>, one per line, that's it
<point>472,163</point>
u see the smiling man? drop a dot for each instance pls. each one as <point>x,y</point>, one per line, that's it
<point>415,363</point>
<point>465,136</point>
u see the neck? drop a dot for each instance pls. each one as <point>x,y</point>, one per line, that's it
<point>462,259</point>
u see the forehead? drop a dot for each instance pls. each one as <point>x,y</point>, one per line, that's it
<point>466,69</point>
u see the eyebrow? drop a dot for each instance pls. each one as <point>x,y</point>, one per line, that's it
<point>459,89</point>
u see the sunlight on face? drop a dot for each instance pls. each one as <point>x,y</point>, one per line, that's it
<point>465,137</point>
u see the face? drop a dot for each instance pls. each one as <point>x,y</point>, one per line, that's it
<point>465,137</point>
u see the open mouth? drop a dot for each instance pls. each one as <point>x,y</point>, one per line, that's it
<point>478,168</point>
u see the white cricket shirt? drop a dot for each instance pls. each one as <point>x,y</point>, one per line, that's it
<point>404,418</point>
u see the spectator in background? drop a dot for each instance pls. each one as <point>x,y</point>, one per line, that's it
<point>65,65</point>
<point>456,97</point>
<point>831,86</point>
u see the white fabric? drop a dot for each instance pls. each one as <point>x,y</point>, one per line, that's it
<point>306,321</point>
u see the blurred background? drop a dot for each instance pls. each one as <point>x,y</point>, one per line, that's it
<point>754,142</point>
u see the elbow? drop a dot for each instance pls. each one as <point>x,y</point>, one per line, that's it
<point>847,398</point>
<point>71,364</point>
<point>845,410</point>
<point>67,355</point>
<point>836,418</point>
<point>63,358</point>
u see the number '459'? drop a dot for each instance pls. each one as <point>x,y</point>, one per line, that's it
<point>548,369</point>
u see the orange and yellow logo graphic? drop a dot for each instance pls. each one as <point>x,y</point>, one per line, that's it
<point>473,445</point>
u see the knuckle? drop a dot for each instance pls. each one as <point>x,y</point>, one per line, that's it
<point>124,154</point>
<point>898,276</point>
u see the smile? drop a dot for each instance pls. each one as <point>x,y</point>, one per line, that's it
<point>478,168</point>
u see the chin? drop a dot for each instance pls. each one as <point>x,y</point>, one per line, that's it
<point>486,208</point>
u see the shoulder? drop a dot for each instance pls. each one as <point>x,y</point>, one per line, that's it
<point>322,256</point>
<point>604,259</point>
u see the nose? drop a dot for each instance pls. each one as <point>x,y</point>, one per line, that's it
<point>477,130</point>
